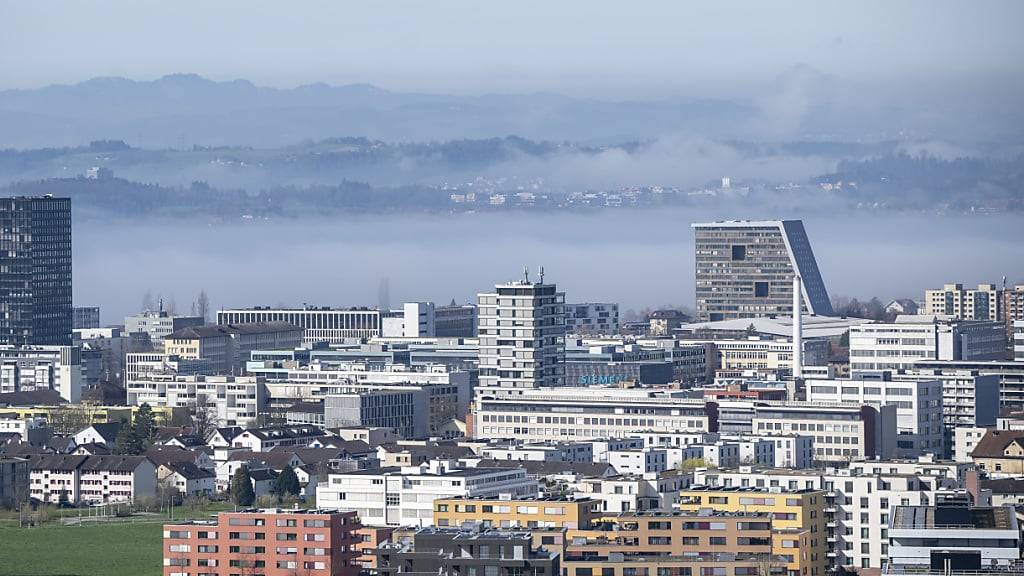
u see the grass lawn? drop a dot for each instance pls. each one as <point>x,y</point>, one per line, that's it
<point>107,550</point>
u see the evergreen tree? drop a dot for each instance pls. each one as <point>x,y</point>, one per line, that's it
<point>287,483</point>
<point>241,487</point>
<point>128,442</point>
<point>145,423</point>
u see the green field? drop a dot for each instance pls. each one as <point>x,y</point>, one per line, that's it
<point>114,550</point>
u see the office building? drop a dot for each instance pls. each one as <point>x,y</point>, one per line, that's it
<point>766,354</point>
<point>35,256</point>
<point>1013,311</point>
<point>957,538</point>
<point>405,496</point>
<point>324,324</point>
<point>455,321</point>
<point>85,317</point>
<point>918,403</point>
<point>401,409</point>
<point>414,320</point>
<point>270,542</point>
<point>30,368</point>
<point>231,400</point>
<point>228,347</point>
<point>985,303</point>
<point>745,269</point>
<point>911,339</point>
<point>592,318</point>
<point>842,432</point>
<point>1010,374</point>
<point>1018,340</point>
<point>522,336</point>
<point>159,324</point>
<point>453,552</point>
<point>584,413</point>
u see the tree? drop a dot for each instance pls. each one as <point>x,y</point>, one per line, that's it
<point>204,417</point>
<point>145,423</point>
<point>201,307</point>
<point>128,442</point>
<point>693,463</point>
<point>242,493</point>
<point>287,484</point>
<point>147,302</point>
<point>71,418</point>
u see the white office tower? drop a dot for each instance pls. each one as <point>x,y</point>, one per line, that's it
<point>798,331</point>
<point>522,335</point>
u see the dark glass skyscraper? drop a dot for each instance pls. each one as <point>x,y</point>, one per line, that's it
<point>35,270</point>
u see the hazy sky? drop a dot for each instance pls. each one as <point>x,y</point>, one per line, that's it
<point>620,49</point>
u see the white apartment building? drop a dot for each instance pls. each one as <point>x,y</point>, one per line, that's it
<point>919,415</point>
<point>234,400</point>
<point>842,432</point>
<point>582,413</point>
<point>522,335</point>
<point>718,454</point>
<point>84,479</point>
<point>140,365</point>
<point>633,493</point>
<point>790,450</point>
<point>965,439</point>
<point>28,368</point>
<point>413,320</point>
<point>645,461</point>
<point>862,498</point>
<point>592,318</point>
<point>33,430</point>
<point>969,398</point>
<point>405,496</point>
<point>540,452</point>
<point>898,345</point>
<point>266,439</point>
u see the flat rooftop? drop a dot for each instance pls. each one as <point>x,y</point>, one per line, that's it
<point>944,517</point>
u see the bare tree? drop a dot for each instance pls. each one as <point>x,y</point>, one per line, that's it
<point>204,417</point>
<point>70,418</point>
<point>147,301</point>
<point>203,305</point>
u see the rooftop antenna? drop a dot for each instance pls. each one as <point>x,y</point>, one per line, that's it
<point>541,272</point>
<point>161,304</point>
<point>526,274</point>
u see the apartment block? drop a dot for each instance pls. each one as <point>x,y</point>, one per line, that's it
<point>452,552</point>
<point>983,303</point>
<point>405,496</point>
<point>552,512</point>
<point>522,336</point>
<point>842,432</point>
<point>227,347</point>
<point>269,542</point>
<point>159,324</point>
<point>232,400</point>
<point>29,368</point>
<point>89,479</point>
<point>967,538</point>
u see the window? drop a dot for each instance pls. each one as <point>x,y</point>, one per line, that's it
<point>717,541</point>
<point>760,289</point>
<point>739,252</point>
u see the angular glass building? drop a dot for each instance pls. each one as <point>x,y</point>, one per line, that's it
<point>35,270</point>
<point>745,269</point>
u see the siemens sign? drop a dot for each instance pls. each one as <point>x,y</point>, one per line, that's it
<point>589,379</point>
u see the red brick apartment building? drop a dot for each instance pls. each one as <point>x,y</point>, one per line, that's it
<point>264,542</point>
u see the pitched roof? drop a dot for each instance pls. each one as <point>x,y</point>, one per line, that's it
<point>45,397</point>
<point>263,474</point>
<point>276,459</point>
<point>1004,485</point>
<point>227,330</point>
<point>434,451</point>
<point>167,454</point>
<point>63,462</point>
<point>188,470</point>
<point>93,448</point>
<point>107,430</point>
<point>228,433</point>
<point>993,444</point>
<point>284,432</point>
<point>113,463</point>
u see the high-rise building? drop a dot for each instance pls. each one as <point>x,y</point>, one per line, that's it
<point>984,303</point>
<point>522,335</point>
<point>86,317</point>
<point>35,260</point>
<point>745,270</point>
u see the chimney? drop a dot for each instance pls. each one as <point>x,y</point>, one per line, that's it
<point>798,329</point>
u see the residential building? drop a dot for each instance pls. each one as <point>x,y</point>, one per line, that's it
<point>452,552</point>
<point>231,400</point>
<point>965,440</point>
<point>985,303</point>
<point>84,479</point>
<point>404,496</point>
<point>1010,373</point>
<point>369,538</point>
<point>584,413</point>
<point>487,513</point>
<point>14,480</point>
<point>842,432</point>
<point>539,451</point>
<point>323,324</point>
<point>639,462</point>
<point>142,365</point>
<point>35,255</point>
<point>187,479</point>
<point>592,318</point>
<point>227,347</point>
<point>902,306</point>
<point>958,537</point>
<point>28,368</point>
<point>455,321</point>
<point>31,430</point>
<point>799,511</point>
<point>522,336</point>
<point>665,322</point>
<point>775,354</point>
<point>1013,310</point>
<point>269,438</point>
<point>159,324</point>
<point>1000,452</point>
<point>85,317</point>
<point>1018,340</point>
<point>919,406</point>
<point>910,339</point>
<point>271,542</point>
<point>745,269</point>
<point>413,320</point>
